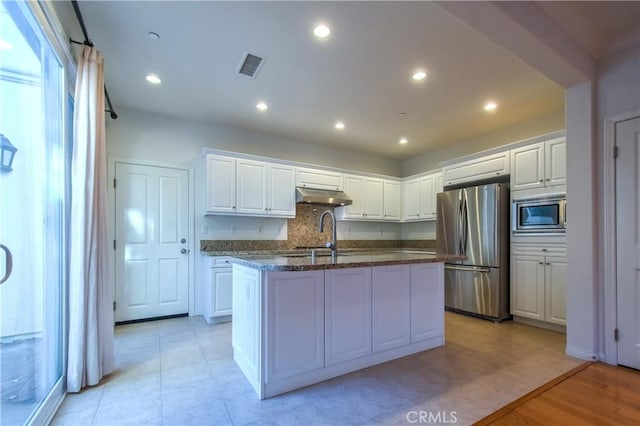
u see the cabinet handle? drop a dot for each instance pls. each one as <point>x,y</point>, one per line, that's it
<point>234,207</point>
<point>541,180</point>
<point>544,249</point>
<point>540,263</point>
<point>497,173</point>
<point>548,179</point>
<point>266,210</point>
<point>548,263</point>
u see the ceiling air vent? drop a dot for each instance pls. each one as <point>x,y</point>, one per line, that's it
<point>250,64</point>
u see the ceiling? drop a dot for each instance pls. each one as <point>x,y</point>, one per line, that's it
<point>360,75</point>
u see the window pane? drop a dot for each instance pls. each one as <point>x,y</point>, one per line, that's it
<point>31,215</point>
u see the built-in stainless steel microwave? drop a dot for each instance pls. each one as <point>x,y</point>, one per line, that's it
<point>544,214</point>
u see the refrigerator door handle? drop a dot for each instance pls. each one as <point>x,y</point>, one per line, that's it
<point>465,224</point>
<point>460,201</point>
<point>467,268</point>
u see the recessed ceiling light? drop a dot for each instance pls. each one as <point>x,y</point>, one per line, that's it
<point>153,36</point>
<point>403,141</point>
<point>262,106</point>
<point>153,79</point>
<point>321,31</point>
<point>5,45</point>
<point>339,125</point>
<point>419,75</point>
<point>490,106</point>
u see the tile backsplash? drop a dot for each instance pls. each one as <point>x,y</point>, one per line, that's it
<point>302,231</point>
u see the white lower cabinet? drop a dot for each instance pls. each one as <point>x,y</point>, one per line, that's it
<point>427,300</point>
<point>218,289</point>
<point>538,279</point>
<point>294,323</point>
<point>348,314</point>
<point>391,306</point>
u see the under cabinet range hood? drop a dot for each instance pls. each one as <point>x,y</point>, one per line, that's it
<point>322,197</point>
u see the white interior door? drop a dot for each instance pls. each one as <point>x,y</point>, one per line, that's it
<point>628,241</point>
<point>152,249</point>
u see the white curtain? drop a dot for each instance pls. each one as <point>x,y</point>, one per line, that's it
<point>90,350</point>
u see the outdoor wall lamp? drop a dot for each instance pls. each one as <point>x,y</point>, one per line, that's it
<point>7,153</point>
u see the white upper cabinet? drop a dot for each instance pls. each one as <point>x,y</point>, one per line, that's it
<point>555,151</point>
<point>539,165</point>
<point>373,199</point>
<point>221,184</point>
<point>420,197</point>
<point>237,186</point>
<point>282,183</point>
<point>477,169</point>
<point>392,191</point>
<point>251,189</point>
<point>320,179</point>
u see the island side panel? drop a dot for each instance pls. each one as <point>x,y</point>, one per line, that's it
<point>347,314</point>
<point>427,301</point>
<point>294,323</point>
<point>246,326</point>
<point>391,310</point>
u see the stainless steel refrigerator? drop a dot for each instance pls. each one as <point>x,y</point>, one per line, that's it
<point>474,222</point>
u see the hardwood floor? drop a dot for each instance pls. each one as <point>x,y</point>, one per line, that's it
<point>592,393</point>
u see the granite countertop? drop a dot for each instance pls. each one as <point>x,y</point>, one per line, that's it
<point>345,259</point>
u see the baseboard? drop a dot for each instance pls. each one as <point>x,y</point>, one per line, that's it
<point>580,354</point>
<point>540,324</point>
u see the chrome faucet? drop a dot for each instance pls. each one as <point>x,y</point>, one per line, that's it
<point>333,245</point>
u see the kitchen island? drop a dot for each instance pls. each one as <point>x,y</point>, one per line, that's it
<point>299,320</point>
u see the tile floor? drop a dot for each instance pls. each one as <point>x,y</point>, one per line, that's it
<point>181,372</point>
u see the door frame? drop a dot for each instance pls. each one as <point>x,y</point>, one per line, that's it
<point>610,284</point>
<point>111,173</point>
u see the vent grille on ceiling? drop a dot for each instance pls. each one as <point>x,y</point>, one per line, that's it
<point>250,64</point>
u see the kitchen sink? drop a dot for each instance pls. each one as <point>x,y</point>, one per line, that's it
<point>323,254</point>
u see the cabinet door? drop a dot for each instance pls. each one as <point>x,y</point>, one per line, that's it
<point>347,314</point>
<point>294,324</point>
<point>439,184</point>
<point>555,293</point>
<point>477,169</point>
<point>321,179</point>
<point>251,190</point>
<point>354,187</point>
<point>282,190</point>
<point>411,200</point>
<point>221,184</point>
<point>556,162</point>
<point>427,197</point>
<point>391,200</point>
<point>527,286</point>
<point>427,301</point>
<point>220,288</point>
<point>527,167</point>
<point>391,307</point>
<point>373,198</point>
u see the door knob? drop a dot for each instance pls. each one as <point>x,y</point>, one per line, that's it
<point>8,263</point>
<point>184,251</point>
<point>183,240</point>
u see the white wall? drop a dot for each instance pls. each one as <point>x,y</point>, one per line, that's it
<point>581,219</point>
<point>143,135</point>
<point>538,126</point>
<point>618,91</point>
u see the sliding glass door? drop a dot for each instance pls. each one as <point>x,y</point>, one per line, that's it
<point>32,197</point>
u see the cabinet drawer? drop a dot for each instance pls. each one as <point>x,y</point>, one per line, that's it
<point>219,262</point>
<point>539,249</point>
